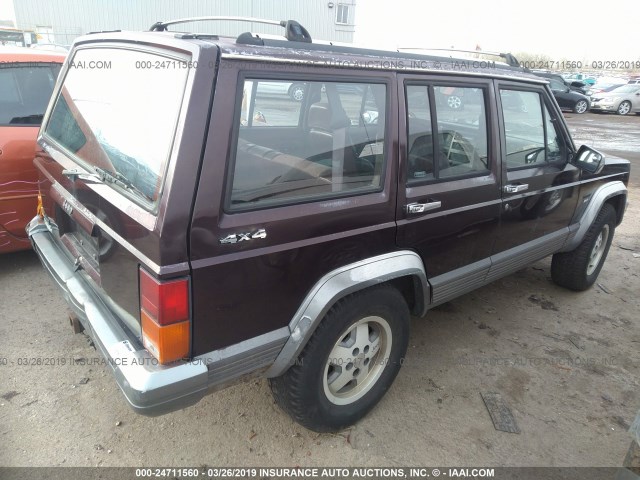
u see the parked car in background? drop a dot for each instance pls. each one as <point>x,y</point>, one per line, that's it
<point>451,96</point>
<point>575,85</point>
<point>622,100</point>
<point>27,78</point>
<point>568,99</point>
<point>604,87</point>
<point>580,87</point>
<point>295,90</point>
<point>570,77</point>
<point>53,47</point>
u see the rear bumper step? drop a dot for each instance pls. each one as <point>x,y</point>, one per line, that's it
<point>150,388</point>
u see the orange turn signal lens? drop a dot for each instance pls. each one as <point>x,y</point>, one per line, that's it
<point>168,343</point>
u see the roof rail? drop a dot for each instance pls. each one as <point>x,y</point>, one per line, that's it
<point>508,57</point>
<point>293,30</point>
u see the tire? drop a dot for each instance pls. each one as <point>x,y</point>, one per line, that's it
<point>309,391</point>
<point>581,106</point>
<point>578,270</point>
<point>296,92</point>
<point>624,108</point>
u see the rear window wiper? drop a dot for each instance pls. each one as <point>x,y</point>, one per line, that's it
<point>116,178</point>
<point>86,176</point>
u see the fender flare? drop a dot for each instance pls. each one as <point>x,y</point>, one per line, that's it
<point>588,211</point>
<point>340,283</point>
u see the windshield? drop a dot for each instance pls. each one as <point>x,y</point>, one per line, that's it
<point>25,89</point>
<point>115,113</point>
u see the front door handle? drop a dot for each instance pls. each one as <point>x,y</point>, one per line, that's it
<point>516,187</point>
<point>414,208</point>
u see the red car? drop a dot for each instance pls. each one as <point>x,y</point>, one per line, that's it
<point>27,78</point>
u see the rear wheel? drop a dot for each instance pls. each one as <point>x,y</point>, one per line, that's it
<point>349,363</point>
<point>581,106</point>
<point>624,108</point>
<point>579,269</point>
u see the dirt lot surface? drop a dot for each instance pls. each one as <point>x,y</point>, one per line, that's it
<point>567,364</point>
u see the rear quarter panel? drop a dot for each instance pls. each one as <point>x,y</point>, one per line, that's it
<point>250,288</point>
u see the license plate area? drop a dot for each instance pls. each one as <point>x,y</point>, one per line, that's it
<point>83,248</point>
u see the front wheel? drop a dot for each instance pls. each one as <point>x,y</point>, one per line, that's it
<point>349,363</point>
<point>624,108</point>
<point>579,269</point>
<point>581,106</point>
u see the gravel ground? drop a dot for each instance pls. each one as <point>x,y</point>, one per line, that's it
<point>567,364</point>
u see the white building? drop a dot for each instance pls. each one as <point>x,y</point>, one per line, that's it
<point>61,21</point>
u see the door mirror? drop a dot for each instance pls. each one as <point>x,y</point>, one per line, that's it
<point>589,160</point>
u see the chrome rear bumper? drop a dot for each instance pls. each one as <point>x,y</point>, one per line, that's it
<point>150,388</point>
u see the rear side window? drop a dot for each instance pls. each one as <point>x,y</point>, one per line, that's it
<point>298,141</point>
<point>116,113</point>
<point>25,90</point>
<point>531,136</point>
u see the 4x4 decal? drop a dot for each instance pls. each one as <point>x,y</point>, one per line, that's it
<point>241,237</point>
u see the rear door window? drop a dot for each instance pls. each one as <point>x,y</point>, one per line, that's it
<point>25,90</point>
<point>117,111</point>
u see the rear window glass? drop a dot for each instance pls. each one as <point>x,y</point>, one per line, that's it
<point>116,116</point>
<point>25,89</point>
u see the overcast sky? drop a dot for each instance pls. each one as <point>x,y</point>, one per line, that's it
<point>570,29</point>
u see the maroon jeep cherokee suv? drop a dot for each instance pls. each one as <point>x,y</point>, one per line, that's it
<point>205,225</point>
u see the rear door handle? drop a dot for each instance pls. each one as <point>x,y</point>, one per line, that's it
<point>414,208</point>
<point>516,187</point>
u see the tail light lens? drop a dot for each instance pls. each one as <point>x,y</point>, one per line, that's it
<point>164,314</point>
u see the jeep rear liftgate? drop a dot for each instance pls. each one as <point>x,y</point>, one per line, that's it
<point>109,143</point>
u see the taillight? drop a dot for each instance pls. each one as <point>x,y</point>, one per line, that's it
<point>164,314</point>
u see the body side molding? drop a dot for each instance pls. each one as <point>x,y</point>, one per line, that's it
<point>340,283</point>
<point>452,284</point>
